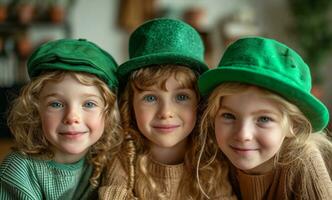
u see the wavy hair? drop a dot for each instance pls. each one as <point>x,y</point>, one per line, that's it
<point>293,151</point>
<point>25,123</point>
<point>136,145</point>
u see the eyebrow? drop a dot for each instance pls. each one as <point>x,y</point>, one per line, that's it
<point>154,89</point>
<point>84,95</point>
<point>265,111</point>
<point>49,95</point>
<point>260,111</point>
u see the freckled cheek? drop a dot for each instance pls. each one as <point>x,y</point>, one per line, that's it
<point>96,123</point>
<point>93,116</point>
<point>143,120</point>
<point>220,134</point>
<point>218,138</point>
<point>219,129</point>
<point>141,111</point>
<point>50,120</point>
<point>189,115</point>
<point>271,142</point>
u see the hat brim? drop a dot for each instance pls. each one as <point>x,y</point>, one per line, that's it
<point>75,68</point>
<point>161,58</point>
<point>311,107</point>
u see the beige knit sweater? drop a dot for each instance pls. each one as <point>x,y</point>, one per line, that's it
<point>270,186</point>
<point>114,184</point>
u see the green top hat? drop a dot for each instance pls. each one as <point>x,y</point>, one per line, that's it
<point>164,41</point>
<point>74,55</point>
<point>268,64</point>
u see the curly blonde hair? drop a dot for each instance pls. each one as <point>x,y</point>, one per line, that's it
<point>293,150</point>
<point>25,123</point>
<point>136,145</point>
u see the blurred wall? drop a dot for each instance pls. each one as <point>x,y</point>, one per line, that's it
<point>96,20</point>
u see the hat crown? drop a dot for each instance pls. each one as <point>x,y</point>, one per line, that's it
<point>166,36</point>
<point>269,57</point>
<point>164,41</point>
<point>73,55</point>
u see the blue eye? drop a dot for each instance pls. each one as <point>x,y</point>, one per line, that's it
<point>89,104</point>
<point>182,97</point>
<point>150,98</point>
<point>264,119</point>
<point>56,104</point>
<point>228,116</point>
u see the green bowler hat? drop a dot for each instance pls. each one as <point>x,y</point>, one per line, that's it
<point>271,65</point>
<point>74,55</point>
<point>164,41</point>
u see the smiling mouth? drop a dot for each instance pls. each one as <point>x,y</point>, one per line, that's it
<point>73,132</point>
<point>166,128</point>
<point>243,149</point>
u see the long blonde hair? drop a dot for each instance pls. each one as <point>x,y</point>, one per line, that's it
<point>293,150</point>
<point>25,123</point>
<point>137,147</point>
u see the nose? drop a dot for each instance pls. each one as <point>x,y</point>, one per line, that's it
<point>165,110</point>
<point>244,131</point>
<point>71,116</point>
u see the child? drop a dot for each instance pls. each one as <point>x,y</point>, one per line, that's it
<point>65,123</point>
<point>262,116</point>
<point>158,105</point>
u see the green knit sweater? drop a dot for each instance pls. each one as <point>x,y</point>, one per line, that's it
<point>23,177</point>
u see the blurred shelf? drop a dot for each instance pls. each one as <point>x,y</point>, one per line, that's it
<point>12,27</point>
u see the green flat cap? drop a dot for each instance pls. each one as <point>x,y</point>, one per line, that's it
<point>164,41</point>
<point>74,55</point>
<point>271,65</point>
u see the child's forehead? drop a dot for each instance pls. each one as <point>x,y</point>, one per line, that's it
<point>245,91</point>
<point>256,96</point>
<point>59,76</point>
<point>250,105</point>
<point>67,80</point>
<point>167,84</point>
<point>68,89</point>
<point>161,79</point>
